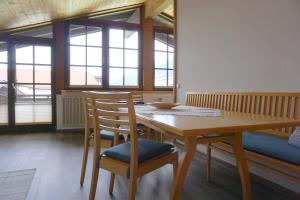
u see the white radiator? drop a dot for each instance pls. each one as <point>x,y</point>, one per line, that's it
<point>69,107</point>
<point>69,111</point>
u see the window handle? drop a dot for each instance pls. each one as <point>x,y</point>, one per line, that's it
<point>13,85</point>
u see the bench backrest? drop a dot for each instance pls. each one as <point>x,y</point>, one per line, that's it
<point>272,104</point>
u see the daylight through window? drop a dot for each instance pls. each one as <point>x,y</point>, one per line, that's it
<point>163,60</point>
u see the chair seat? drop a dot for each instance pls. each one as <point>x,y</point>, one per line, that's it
<point>147,149</point>
<point>107,135</point>
<point>273,146</point>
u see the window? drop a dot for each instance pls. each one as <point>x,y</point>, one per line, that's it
<point>115,63</point>
<point>85,55</point>
<point>3,84</point>
<point>163,60</point>
<point>33,84</point>
<point>123,57</point>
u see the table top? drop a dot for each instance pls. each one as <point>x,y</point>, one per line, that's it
<point>228,122</point>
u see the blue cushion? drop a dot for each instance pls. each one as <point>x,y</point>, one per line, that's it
<point>147,149</point>
<point>107,135</point>
<point>275,147</point>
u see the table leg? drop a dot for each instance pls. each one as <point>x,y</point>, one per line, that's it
<point>190,149</point>
<point>242,166</point>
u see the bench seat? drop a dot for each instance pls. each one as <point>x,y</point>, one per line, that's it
<point>272,146</point>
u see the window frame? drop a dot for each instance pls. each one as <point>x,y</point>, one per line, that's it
<point>68,56</point>
<point>167,31</point>
<point>11,41</point>
<point>6,123</point>
<point>124,48</point>
<point>105,25</point>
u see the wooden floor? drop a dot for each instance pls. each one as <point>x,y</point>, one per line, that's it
<point>57,158</point>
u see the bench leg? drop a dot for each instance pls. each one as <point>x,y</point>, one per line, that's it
<point>208,162</point>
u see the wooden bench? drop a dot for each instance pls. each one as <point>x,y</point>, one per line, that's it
<point>271,104</point>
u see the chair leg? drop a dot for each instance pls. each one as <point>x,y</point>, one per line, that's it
<point>208,161</point>
<point>132,187</point>
<point>85,156</point>
<point>111,183</point>
<point>94,182</point>
<point>96,166</point>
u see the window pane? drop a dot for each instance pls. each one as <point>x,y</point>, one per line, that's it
<point>94,56</point>
<point>24,54</point>
<point>29,110</point>
<point>77,35</point>
<point>3,52</point>
<point>24,93</point>
<point>132,39</point>
<point>42,74</point>
<point>3,104</point>
<point>116,38</point>
<point>94,36</point>
<point>24,73</point>
<point>160,77</point>
<point>3,73</point>
<point>170,78</point>
<point>161,59</point>
<point>77,75</point>
<point>116,57</point>
<point>115,76</point>
<point>161,41</point>
<point>77,55</point>
<point>94,76</point>
<point>171,43</point>
<point>42,55</point>
<point>131,58</point>
<point>131,77</point>
<point>43,93</point>
<point>3,56</point>
<point>171,60</point>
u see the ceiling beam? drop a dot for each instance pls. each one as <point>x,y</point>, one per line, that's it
<point>155,7</point>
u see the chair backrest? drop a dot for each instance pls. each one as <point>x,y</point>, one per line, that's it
<point>87,109</point>
<point>137,96</point>
<point>114,111</point>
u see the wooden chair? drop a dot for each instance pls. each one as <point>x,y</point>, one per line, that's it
<point>137,96</point>
<point>108,138</point>
<point>131,159</point>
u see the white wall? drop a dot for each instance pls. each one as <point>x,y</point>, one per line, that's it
<point>238,45</point>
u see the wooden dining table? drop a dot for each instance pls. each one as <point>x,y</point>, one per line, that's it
<point>193,130</point>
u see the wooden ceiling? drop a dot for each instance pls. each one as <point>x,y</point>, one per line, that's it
<point>25,13</point>
<point>169,10</point>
